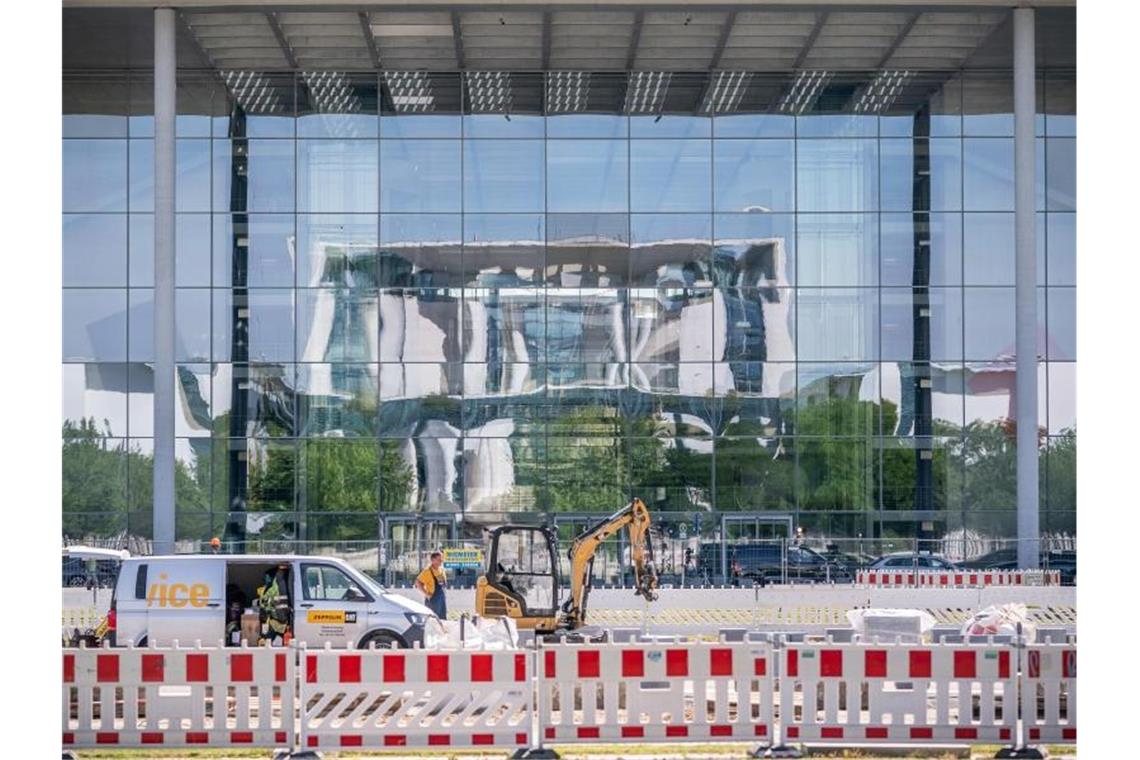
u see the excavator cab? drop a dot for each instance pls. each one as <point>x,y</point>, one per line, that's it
<point>521,577</point>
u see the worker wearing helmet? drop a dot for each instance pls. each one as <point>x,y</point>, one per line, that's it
<point>273,605</point>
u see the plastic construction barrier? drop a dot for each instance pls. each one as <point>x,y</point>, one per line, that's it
<point>178,697</point>
<point>956,578</point>
<point>649,692</point>
<point>843,693</point>
<point>384,698</point>
<point>1049,693</point>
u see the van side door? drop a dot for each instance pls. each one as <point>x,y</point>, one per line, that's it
<point>185,600</point>
<point>330,607</point>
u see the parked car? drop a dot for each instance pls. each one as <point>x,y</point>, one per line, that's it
<point>1006,559</point>
<point>768,562</point>
<point>912,561</point>
<point>85,566</point>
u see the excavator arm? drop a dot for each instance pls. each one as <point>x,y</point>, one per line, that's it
<point>635,516</point>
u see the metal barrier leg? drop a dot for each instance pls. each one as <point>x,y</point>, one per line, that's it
<point>1021,749</point>
<point>777,748</point>
<point>536,751</point>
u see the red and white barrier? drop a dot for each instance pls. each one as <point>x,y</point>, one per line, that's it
<point>649,692</point>
<point>956,578</point>
<point>1049,693</point>
<point>913,694</point>
<point>178,697</point>
<point>415,698</point>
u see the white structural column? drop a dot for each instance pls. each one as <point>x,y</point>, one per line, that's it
<point>1024,115</point>
<point>164,372</point>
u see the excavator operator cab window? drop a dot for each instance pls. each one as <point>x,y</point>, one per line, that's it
<point>524,566</point>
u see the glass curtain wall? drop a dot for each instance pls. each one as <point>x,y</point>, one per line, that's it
<point>460,297</point>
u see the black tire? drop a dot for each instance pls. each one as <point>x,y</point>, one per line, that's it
<point>382,640</point>
<point>77,581</point>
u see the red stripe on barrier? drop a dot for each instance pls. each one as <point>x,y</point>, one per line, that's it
<point>965,733</point>
<point>241,737</point>
<point>921,732</point>
<point>1069,734</point>
<point>633,663</point>
<point>395,740</point>
<point>720,730</point>
<point>312,741</point>
<point>107,668</point>
<point>871,579</point>
<point>550,732</point>
<point>438,667</point>
<point>919,663</point>
<point>69,738</point>
<point>589,732</point>
<point>958,579</point>
<point>875,732</point>
<point>1003,664</point>
<point>279,737</point>
<point>482,668</point>
<point>1033,663</point>
<point>520,667</point>
<point>197,737</point>
<point>393,668</point>
<point>875,663</point>
<point>671,731</point>
<point>311,669</point>
<point>632,732</point>
<point>987,579</point>
<point>520,739</point>
<point>944,580</point>
<point>831,732</point>
<point>793,667</point>
<point>68,668</point>
<point>720,662</point>
<point>198,667</point>
<point>352,740</point>
<point>107,738</point>
<point>279,668</point>
<point>1069,663</point>
<point>482,738</point>
<point>760,667</point>
<point>965,664</point>
<point>1004,734</point>
<point>548,665</point>
<point>1035,733</point>
<point>151,737</point>
<point>676,662</point>
<point>973,580</point>
<point>793,732</point>
<point>241,667</point>
<point>589,665</point>
<point>439,740</point>
<point>831,663</point>
<point>761,730</point>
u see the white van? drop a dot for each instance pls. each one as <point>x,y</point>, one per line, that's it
<point>185,597</point>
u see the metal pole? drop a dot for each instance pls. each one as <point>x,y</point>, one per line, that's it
<point>1024,114</point>
<point>164,82</point>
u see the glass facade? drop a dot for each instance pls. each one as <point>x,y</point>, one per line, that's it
<point>408,294</point>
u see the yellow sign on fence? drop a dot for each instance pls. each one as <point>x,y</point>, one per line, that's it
<point>462,559</point>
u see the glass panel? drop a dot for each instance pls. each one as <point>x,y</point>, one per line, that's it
<point>141,157</point>
<point>420,250</point>
<point>253,400</point>
<point>94,324</point>
<point>336,475</point>
<point>95,249</point>
<point>336,324</point>
<point>1061,104</point>
<point>192,415</point>
<point>587,175</point>
<point>255,250</point>
<point>192,250</point>
<point>504,326</point>
<point>257,105</point>
<point>420,104</point>
<point>989,389</point>
<point>586,325</point>
<point>829,105</point>
<point>837,175</point>
<point>758,397</point>
<point>837,399</point>
<point>337,399</point>
<point>420,400</point>
<point>420,325</point>
<point>924,103</point>
<point>919,474</point>
<point>757,112</point>
<point>1062,321</point>
<point>257,326</point>
<point>987,100</point>
<point>506,251</point>
<point>599,125</point>
<point>1062,397</point>
<point>587,250</point>
<point>337,176</point>
<point>94,105</point>
<point>670,250</point>
<point>1061,174</point>
<point>838,324</point>
<point>753,324</point>
<point>672,473</point>
<point>337,250</point>
<point>270,474</point>
<point>504,175</point>
<point>754,175</point>
<point>420,175</point>
<point>921,175</point>
<point>910,388</point>
<point>192,175</point>
<point>192,325</point>
<point>921,249</point>
<point>503,104</point>
<point>1061,475</point>
<point>587,474</point>
<point>989,323</point>
<point>95,175</point>
<point>835,474</point>
<point>500,474</point>
<point>754,250</point>
<point>503,399</point>
<point>268,171</point>
<point>337,104</point>
<point>987,178</point>
<point>990,249</point>
<point>94,405</point>
<point>141,119</point>
<point>837,249</point>
<point>670,175</point>
<point>1061,231</point>
<point>922,324</point>
<point>197,97</point>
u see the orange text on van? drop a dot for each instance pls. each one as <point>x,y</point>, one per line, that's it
<point>177,594</point>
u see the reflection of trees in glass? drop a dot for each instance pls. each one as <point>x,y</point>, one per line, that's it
<point>1060,472</point>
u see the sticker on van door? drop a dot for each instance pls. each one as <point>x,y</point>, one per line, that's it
<point>330,617</point>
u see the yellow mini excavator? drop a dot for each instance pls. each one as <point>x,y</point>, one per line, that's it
<point>521,578</point>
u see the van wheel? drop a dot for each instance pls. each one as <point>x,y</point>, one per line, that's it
<point>382,640</point>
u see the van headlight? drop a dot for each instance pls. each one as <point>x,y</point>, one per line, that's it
<point>417,618</point>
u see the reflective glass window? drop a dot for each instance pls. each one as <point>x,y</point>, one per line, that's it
<point>337,399</point>
<point>837,249</point>
<point>989,323</point>
<point>504,326</point>
<point>420,175</point>
<point>835,474</point>
<point>987,102</point>
<point>586,125</point>
<point>255,250</point>
<point>1062,397</point>
<point>905,386</point>
<point>922,324</point>
<point>337,105</point>
<point>254,400</point>
<point>675,471</point>
<point>670,175</point>
<point>192,250</point>
<point>837,175</point>
<point>754,175</point>
<point>758,396</point>
<point>192,325</point>
<point>503,250</point>
<point>587,175</point>
<point>94,406</point>
<point>419,250</point>
<point>94,324</point>
<point>94,105</point>
<point>504,175</point>
<point>754,250</point>
<point>1062,323</point>
<point>336,250</point>
<point>192,175</point>
<point>670,250</point>
<point>906,480</point>
<point>753,324</point>
<point>1061,248</point>
<point>754,473</point>
<point>987,174</point>
<point>923,249</point>
<point>258,104</point>
<point>267,166</point>
<point>336,325</point>
<point>921,175</point>
<point>920,104</point>
<point>95,249</point>
<point>837,324</point>
<point>141,175</point>
<point>1061,174</point>
<point>337,176</point>
<point>1060,104</point>
<point>989,249</point>
<point>95,175</point>
<point>420,325</point>
<point>588,325</point>
<point>587,250</point>
<point>255,327</point>
<point>837,399</point>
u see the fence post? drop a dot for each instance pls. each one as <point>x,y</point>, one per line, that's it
<point>536,750</point>
<point>1020,749</point>
<point>777,747</point>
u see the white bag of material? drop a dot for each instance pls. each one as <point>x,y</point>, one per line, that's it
<point>1000,619</point>
<point>471,633</point>
<point>887,624</point>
